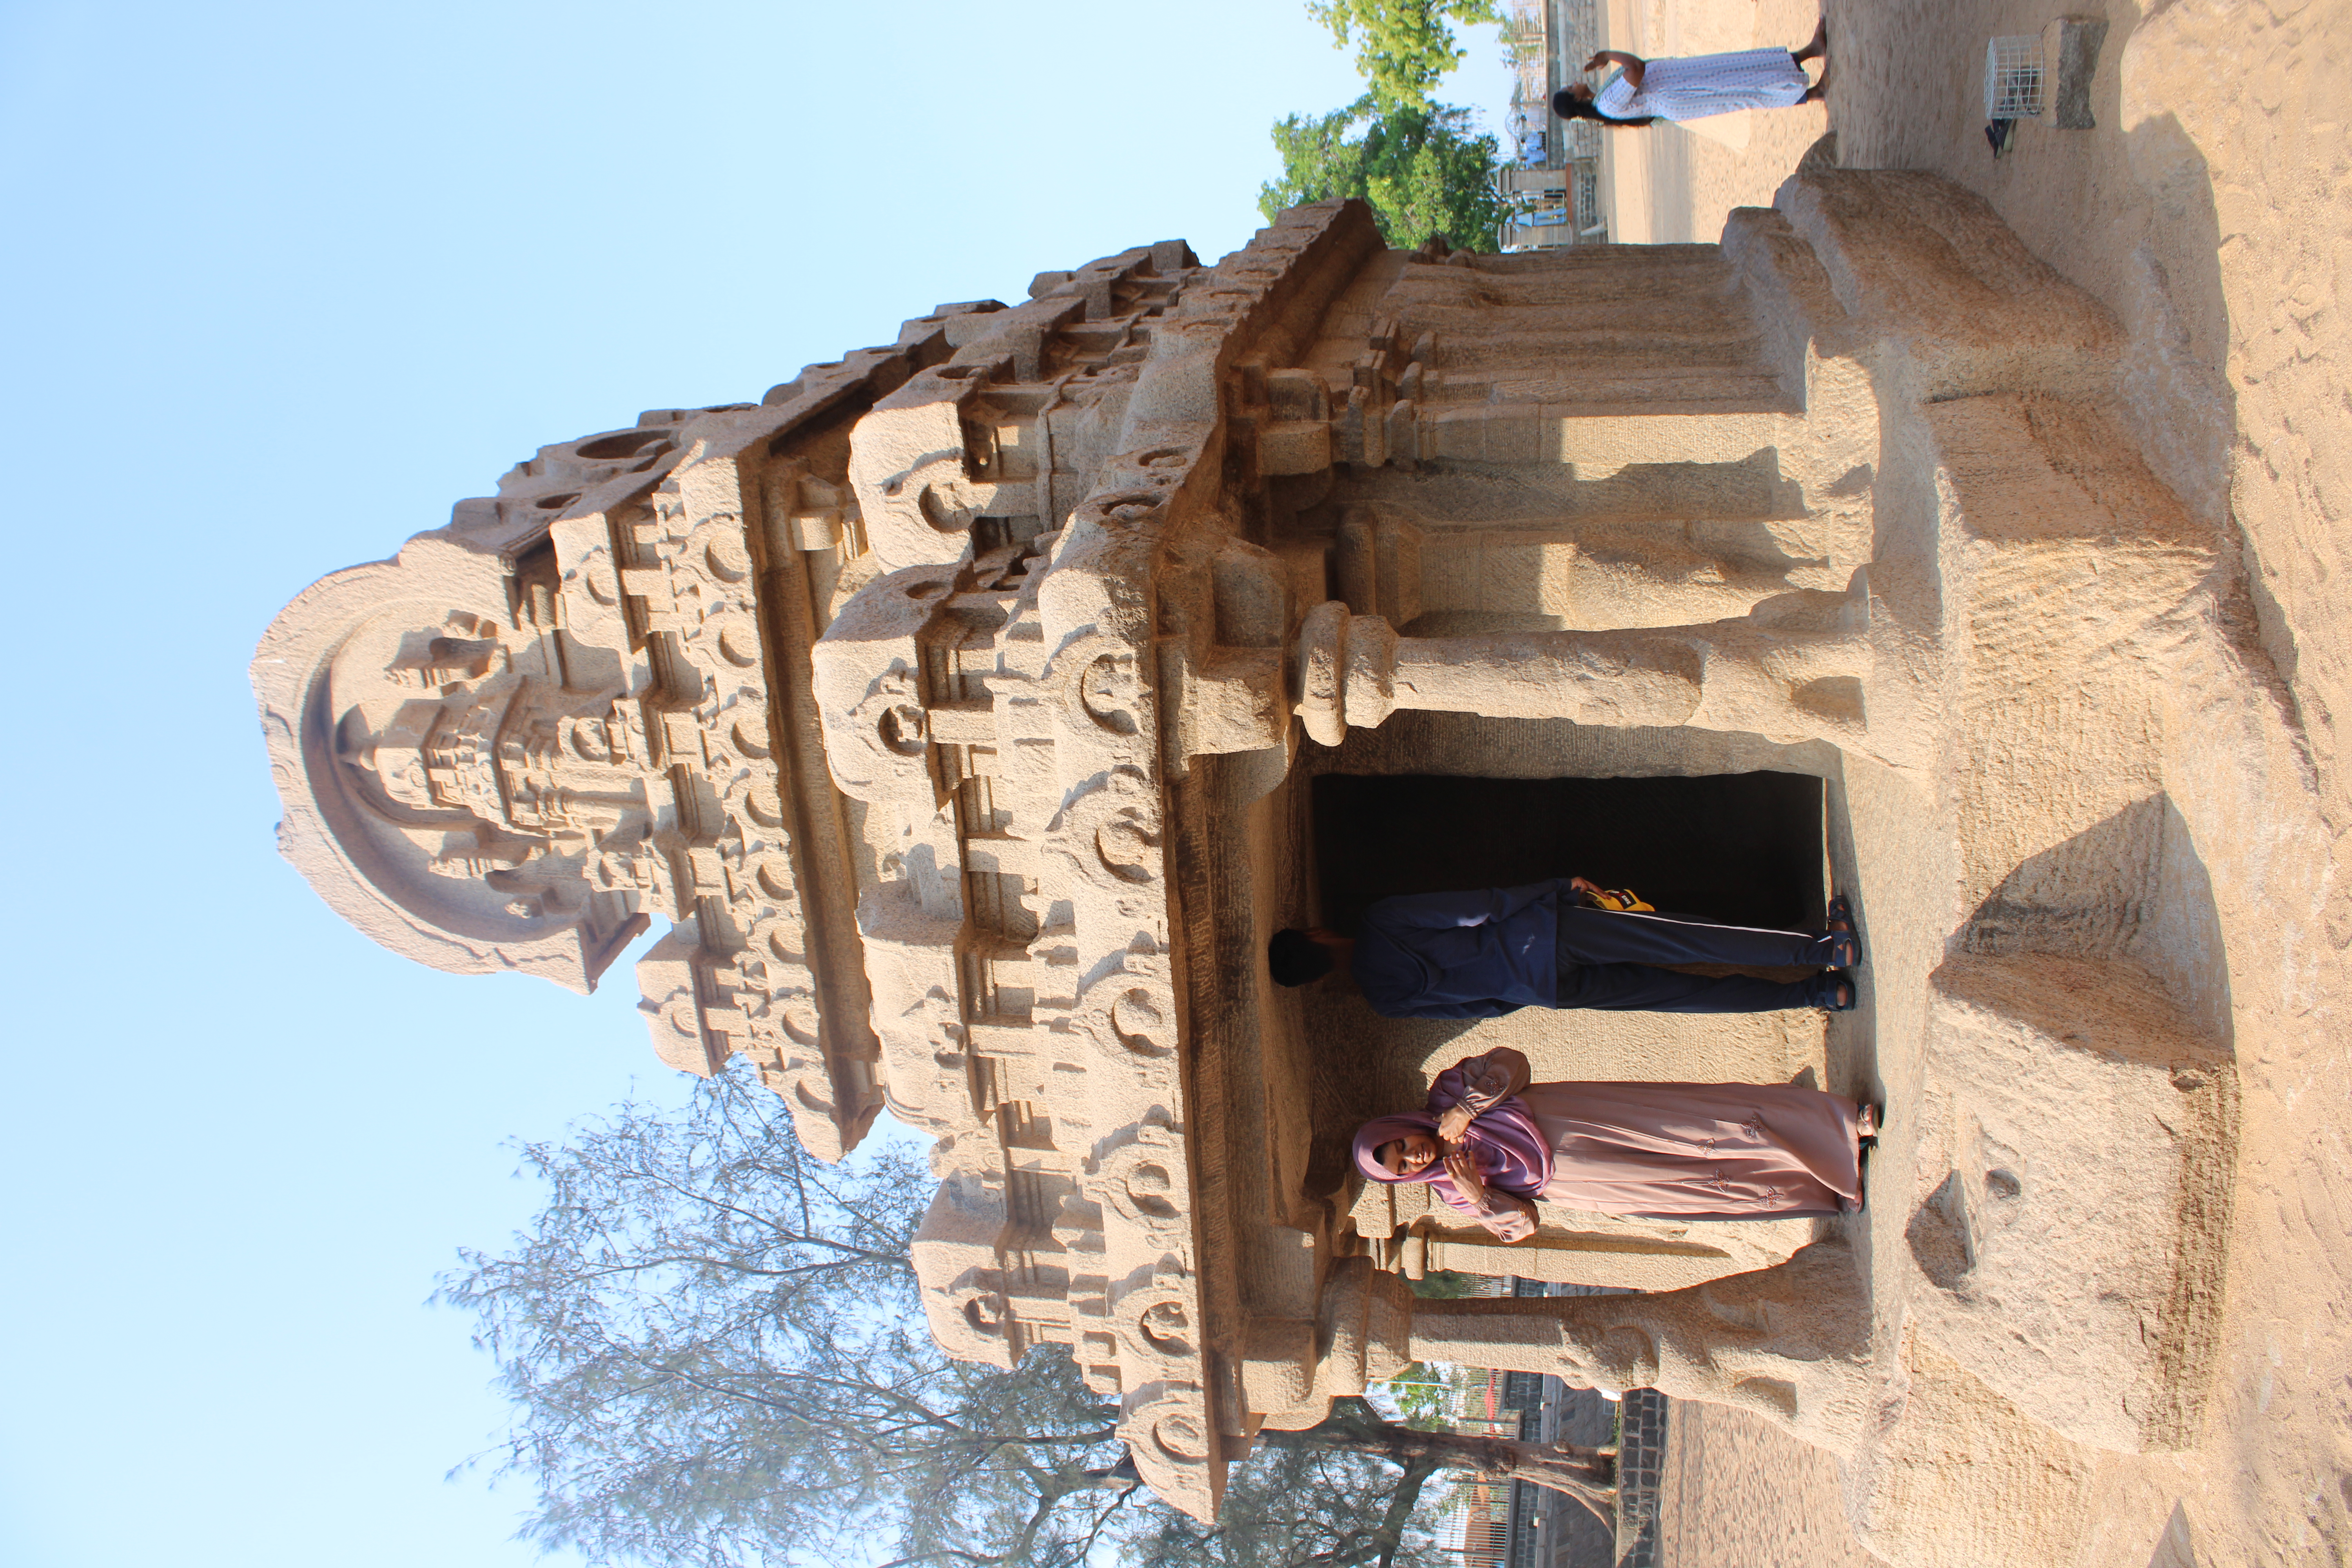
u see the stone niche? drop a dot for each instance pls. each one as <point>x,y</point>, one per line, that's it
<point>958,707</point>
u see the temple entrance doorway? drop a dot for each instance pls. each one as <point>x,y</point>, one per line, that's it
<point>1741,848</point>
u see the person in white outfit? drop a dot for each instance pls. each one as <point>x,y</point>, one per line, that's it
<point>1697,86</point>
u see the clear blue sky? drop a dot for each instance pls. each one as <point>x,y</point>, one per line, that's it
<point>281,283</point>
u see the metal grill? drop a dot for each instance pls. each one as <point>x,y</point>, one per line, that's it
<point>2012,83</point>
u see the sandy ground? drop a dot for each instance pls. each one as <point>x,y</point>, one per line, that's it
<point>2211,210</point>
<point>1738,1493</point>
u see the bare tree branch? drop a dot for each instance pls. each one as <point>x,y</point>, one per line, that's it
<point>716,1358</point>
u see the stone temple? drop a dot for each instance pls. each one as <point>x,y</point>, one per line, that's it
<point>971,711</point>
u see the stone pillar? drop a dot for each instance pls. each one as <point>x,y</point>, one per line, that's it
<point>1600,330</point>
<point>1786,684</point>
<point>1790,1343</point>
<point>1555,573</point>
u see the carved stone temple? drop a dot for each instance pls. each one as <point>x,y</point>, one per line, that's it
<point>968,714</point>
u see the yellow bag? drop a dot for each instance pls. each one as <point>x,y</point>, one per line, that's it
<point>1616,900</point>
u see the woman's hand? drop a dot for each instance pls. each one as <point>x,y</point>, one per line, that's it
<point>1463,1166</point>
<point>1454,1124</point>
<point>1633,65</point>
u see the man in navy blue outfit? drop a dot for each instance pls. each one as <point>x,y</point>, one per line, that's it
<point>1480,954</point>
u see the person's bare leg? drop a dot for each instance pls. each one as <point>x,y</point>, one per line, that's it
<point>1817,49</point>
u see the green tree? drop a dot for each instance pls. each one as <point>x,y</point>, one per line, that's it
<point>1309,1499</point>
<point>1426,172</point>
<point>716,1357</point>
<point>1446,1285</point>
<point>1402,46</point>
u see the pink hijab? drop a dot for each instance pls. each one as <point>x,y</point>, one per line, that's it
<point>1512,1153</point>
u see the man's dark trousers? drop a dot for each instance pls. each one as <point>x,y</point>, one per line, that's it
<point>1606,958</point>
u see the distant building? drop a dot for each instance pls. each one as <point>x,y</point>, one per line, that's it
<point>1552,181</point>
<point>1517,1525</point>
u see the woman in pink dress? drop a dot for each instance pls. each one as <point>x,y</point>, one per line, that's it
<point>1491,1145</point>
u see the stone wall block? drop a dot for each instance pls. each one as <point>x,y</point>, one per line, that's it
<point>1364,431</point>
<point>1458,432</point>
<point>1408,436</point>
<point>1176,1448</point>
<point>1294,446</point>
<point>907,464</point>
<point>1920,262</point>
<point>1278,1363</point>
<point>1146,1183</point>
<point>1795,304</point>
<point>1963,1478</point>
<point>956,1261</point>
<point>1380,558</point>
<point>909,951</point>
<point>2075,45</point>
<point>1234,701</point>
<point>1514,434</point>
<point>2077,1162</point>
<point>867,676</point>
<point>673,1015</point>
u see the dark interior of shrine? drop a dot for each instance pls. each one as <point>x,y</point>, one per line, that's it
<point>1742,848</point>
